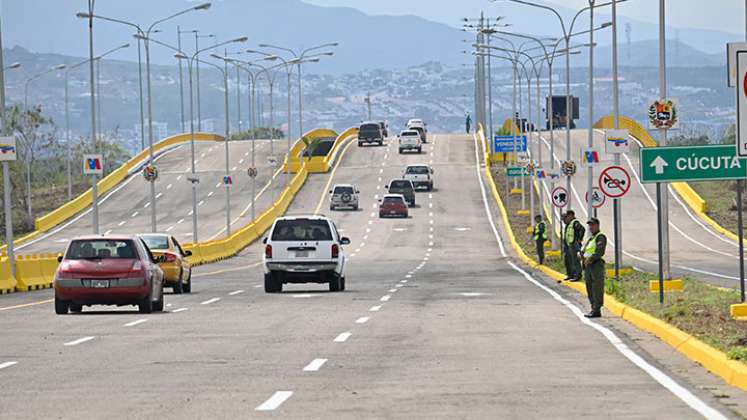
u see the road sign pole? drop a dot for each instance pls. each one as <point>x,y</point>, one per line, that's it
<point>664,204</point>
<point>661,239</point>
<point>740,234</point>
<point>616,203</point>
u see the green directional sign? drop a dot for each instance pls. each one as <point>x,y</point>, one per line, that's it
<point>691,163</point>
<point>516,171</point>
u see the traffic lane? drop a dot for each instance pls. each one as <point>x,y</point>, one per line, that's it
<point>694,250</point>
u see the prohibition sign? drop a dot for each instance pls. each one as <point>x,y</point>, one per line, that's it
<point>560,197</point>
<point>614,181</point>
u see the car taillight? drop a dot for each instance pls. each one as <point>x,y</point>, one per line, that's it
<point>137,267</point>
<point>268,251</point>
<point>335,251</point>
<point>169,257</point>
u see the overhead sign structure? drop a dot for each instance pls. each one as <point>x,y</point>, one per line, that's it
<point>505,144</point>
<point>691,163</point>
<point>7,148</point>
<point>614,181</point>
<point>664,114</point>
<point>517,171</point>
<point>742,103</point>
<point>597,198</point>
<point>560,197</point>
<point>617,141</point>
<point>93,164</point>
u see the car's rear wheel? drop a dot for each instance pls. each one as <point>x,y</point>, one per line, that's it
<point>75,308</point>
<point>420,150</point>
<point>273,284</point>
<point>178,288</point>
<point>158,305</point>
<point>187,287</point>
<point>342,284</point>
<point>61,306</point>
<point>145,306</point>
<point>334,283</point>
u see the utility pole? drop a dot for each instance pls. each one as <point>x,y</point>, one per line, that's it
<point>664,203</point>
<point>368,102</point>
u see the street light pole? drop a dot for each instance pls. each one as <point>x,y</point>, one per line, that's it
<point>664,196</point>
<point>94,178</point>
<point>590,143</point>
<point>616,203</point>
<point>8,205</point>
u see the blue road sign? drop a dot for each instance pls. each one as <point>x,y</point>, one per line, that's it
<point>505,144</point>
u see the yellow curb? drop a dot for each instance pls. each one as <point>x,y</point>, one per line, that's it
<point>553,253</point>
<point>669,285</point>
<point>522,212</point>
<point>623,271</point>
<point>739,311</point>
<point>515,191</point>
<point>734,373</point>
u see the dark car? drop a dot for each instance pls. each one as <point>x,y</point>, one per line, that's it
<point>404,187</point>
<point>393,205</point>
<point>370,132</point>
<point>117,270</point>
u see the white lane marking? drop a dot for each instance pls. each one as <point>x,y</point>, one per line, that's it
<point>376,308</point>
<point>365,237</point>
<point>202,155</point>
<point>430,243</point>
<point>462,229</point>
<point>392,290</point>
<point>303,295</point>
<point>403,281</point>
<point>135,214</point>
<point>136,322</point>
<point>209,301</point>
<point>277,399</point>
<point>210,194</point>
<point>168,187</point>
<point>381,171</point>
<point>368,230</point>
<point>218,185</point>
<point>430,205</point>
<point>357,250</point>
<point>315,365</point>
<point>373,214</point>
<point>379,180</point>
<point>399,285</point>
<point>409,276</point>
<point>363,244</point>
<point>343,337</point>
<point>191,212</point>
<point>7,364</point>
<point>385,298</point>
<point>168,305</point>
<point>234,168</point>
<point>241,161</point>
<point>107,232</point>
<point>362,320</point>
<point>180,221</point>
<point>159,195</point>
<point>473,294</point>
<point>430,214</point>
<point>196,160</point>
<point>399,229</point>
<point>122,222</point>
<point>201,202</point>
<point>257,286</point>
<point>430,236</point>
<point>425,258</point>
<point>430,196</point>
<point>430,249</point>
<point>236,292</point>
<point>79,341</point>
<point>179,310</point>
<point>683,394</point>
<point>146,205</point>
<point>179,177</point>
<point>430,221</point>
<point>431,229</point>
<point>246,154</point>
<point>353,255</point>
<point>169,229</point>
<point>370,222</point>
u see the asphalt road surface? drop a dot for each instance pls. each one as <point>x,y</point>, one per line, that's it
<point>696,249</point>
<point>126,209</point>
<point>437,322</point>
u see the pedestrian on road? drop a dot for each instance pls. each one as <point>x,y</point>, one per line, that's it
<point>594,267</point>
<point>539,234</point>
<point>468,123</point>
<point>572,241</point>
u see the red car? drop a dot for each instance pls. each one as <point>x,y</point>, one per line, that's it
<point>393,205</point>
<point>115,270</point>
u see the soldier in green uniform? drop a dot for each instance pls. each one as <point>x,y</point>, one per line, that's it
<point>539,235</point>
<point>573,237</point>
<point>592,257</point>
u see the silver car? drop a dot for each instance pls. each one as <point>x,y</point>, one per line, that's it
<point>343,196</point>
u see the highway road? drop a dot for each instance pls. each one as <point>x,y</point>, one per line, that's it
<point>696,249</point>
<point>126,209</point>
<point>437,322</point>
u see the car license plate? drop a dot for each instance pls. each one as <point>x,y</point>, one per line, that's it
<point>99,284</point>
<point>302,254</point>
<point>392,212</point>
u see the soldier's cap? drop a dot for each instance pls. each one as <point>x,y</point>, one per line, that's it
<point>569,213</point>
<point>593,221</point>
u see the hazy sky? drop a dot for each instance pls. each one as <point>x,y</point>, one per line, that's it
<point>721,15</point>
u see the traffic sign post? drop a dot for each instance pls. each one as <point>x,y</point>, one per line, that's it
<point>740,58</point>
<point>597,198</point>
<point>505,144</point>
<point>617,141</point>
<point>517,171</point>
<point>93,165</point>
<point>614,181</point>
<point>691,163</point>
<point>559,197</point>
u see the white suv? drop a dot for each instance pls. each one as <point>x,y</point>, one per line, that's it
<point>304,249</point>
<point>343,196</point>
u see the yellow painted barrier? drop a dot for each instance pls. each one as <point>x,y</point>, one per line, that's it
<point>674,285</point>
<point>7,281</point>
<point>29,274</point>
<point>738,311</point>
<point>733,372</point>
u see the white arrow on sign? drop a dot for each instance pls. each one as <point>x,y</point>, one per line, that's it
<point>659,163</point>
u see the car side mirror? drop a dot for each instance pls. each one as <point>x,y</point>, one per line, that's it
<point>187,253</point>
<point>386,186</point>
<point>59,258</point>
<point>357,191</point>
<point>432,171</point>
<point>345,241</point>
<point>264,240</point>
<point>330,191</point>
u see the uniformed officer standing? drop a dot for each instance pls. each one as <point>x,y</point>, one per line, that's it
<point>572,240</point>
<point>539,235</point>
<point>592,257</point>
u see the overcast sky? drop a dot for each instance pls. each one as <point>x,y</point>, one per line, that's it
<point>720,15</point>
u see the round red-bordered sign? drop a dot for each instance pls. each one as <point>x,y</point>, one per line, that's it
<point>560,197</point>
<point>598,198</point>
<point>614,181</point>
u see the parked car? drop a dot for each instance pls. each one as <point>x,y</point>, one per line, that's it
<point>370,132</point>
<point>114,270</point>
<point>421,176</point>
<point>177,272</point>
<point>419,126</point>
<point>304,249</point>
<point>343,196</point>
<point>393,205</point>
<point>409,140</point>
<point>404,187</point>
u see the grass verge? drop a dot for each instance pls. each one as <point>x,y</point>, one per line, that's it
<point>701,310</point>
<point>721,199</point>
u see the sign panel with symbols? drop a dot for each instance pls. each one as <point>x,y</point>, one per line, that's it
<point>617,141</point>
<point>252,172</point>
<point>7,148</point>
<point>597,198</point>
<point>93,165</point>
<point>560,197</point>
<point>691,163</point>
<point>614,181</point>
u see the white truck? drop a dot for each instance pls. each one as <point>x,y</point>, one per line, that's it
<point>409,140</point>
<point>421,176</point>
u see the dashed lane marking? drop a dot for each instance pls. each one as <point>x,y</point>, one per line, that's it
<point>210,194</point>
<point>409,276</point>
<point>362,320</point>
<point>79,341</point>
<point>392,290</point>
<point>136,322</point>
<point>236,292</point>
<point>201,202</point>
<point>169,229</point>
<point>159,195</point>
<point>122,222</point>
<point>277,399</point>
<point>175,311</point>
<point>107,232</point>
<point>314,365</point>
<point>385,298</point>
<point>7,364</point>
<point>168,187</point>
<point>342,337</point>
<point>218,185</point>
<point>180,221</point>
<point>376,308</point>
<point>399,285</point>
<point>209,301</point>
<point>135,214</point>
<point>146,205</point>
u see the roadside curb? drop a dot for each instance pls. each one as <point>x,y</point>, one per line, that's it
<point>731,371</point>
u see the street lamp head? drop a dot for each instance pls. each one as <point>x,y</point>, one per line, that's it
<point>271,58</point>
<point>180,56</point>
<point>59,67</point>
<point>216,56</point>
<point>125,46</point>
<point>606,25</point>
<point>14,65</point>
<point>311,60</point>
<point>203,6</point>
<point>139,36</point>
<point>242,39</point>
<point>83,15</point>
<point>263,45</point>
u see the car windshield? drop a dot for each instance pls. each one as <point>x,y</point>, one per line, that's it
<point>400,185</point>
<point>392,200</point>
<point>409,133</point>
<point>370,127</point>
<point>85,249</point>
<point>417,170</point>
<point>156,241</point>
<point>343,190</point>
<point>301,230</point>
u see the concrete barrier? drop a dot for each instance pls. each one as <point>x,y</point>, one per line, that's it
<point>7,281</point>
